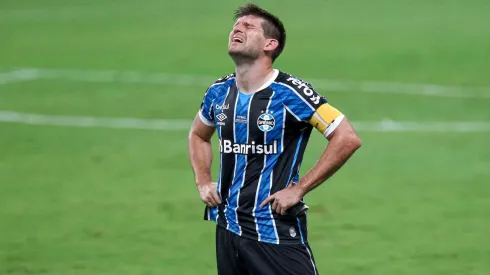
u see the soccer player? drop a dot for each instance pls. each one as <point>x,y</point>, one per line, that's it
<point>263,118</point>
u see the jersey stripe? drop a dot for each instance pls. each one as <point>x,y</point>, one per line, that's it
<point>240,137</point>
<point>227,160</point>
<point>295,158</point>
<point>276,108</point>
<point>221,156</point>
<point>250,99</point>
<point>299,158</point>
<point>220,211</point>
<point>301,231</point>
<point>264,217</point>
<point>260,214</point>
<point>230,200</point>
<point>285,163</point>
<point>255,163</point>
<point>283,127</point>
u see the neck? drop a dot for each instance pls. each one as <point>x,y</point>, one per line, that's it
<point>251,76</point>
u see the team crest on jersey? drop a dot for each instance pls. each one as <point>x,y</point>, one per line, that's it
<point>266,122</point>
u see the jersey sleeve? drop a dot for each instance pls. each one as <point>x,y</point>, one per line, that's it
<point>307,105</point>
<point>206,112</point>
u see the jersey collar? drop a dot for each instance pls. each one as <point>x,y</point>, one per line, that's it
<point>270,80</point>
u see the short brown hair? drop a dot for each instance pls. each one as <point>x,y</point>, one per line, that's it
<point>273,27</point>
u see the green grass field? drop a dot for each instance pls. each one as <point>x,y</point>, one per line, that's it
<point>99,200</point>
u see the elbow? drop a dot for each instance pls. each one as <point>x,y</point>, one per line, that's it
<point>347,139</point>
<point>357,143</point>
<point>353,141</point>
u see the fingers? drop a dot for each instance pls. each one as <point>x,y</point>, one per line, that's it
<point>268,200</point>
<point>215,196</point>
<point>279,207</point>
<point>210,197</point>
<point>210,200</point>
<point>275,206</point>
<point>283,210</point>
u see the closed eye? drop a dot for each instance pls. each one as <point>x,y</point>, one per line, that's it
<point>249,26</point>
<point>246,25</point>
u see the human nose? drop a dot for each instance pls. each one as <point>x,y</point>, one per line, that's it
<point>237,29</point>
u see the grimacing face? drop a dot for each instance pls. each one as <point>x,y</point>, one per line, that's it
<point>247,39</point>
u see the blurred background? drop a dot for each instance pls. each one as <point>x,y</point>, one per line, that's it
<point>96,98</point>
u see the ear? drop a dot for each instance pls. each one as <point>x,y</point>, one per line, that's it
<point>271,45</point>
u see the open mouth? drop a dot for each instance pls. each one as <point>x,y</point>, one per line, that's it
<point>237,39</point>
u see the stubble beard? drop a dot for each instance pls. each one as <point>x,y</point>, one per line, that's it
<point>242,57</point>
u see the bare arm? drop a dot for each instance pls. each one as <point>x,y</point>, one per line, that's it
<point>201,157</point>
<point>343,142</point>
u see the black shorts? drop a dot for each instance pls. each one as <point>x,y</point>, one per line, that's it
<point>241,256</point>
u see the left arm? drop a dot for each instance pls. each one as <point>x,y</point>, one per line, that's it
<point>343,142</point>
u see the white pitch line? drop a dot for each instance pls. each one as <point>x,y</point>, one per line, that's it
<point>63,13</point>
<point>103,122</point>
<point>110,76</point>
<point>125,77</point>
<point>403,88</point>
<point>184,124</point>
<point>413,126</point>
<point>18,76</point>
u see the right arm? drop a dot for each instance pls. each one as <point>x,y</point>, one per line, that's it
<point>200,152</point>
<point>201,156</point>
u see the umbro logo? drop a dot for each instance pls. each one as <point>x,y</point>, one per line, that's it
<point>221,117</point>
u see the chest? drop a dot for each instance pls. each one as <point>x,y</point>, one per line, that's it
<point>244,117</point>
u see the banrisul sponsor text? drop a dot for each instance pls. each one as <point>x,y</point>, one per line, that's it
<point>228,147</point>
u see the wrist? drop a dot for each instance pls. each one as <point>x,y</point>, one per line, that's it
<point>204,181</point>
<point>301,188</point>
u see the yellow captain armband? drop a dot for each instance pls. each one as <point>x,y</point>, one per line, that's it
<point>326,119</point>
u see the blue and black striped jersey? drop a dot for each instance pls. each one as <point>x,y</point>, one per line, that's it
<point>262,138</point>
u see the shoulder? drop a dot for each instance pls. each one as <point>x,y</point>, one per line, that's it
<point>287,78</point>
<point>220,85</point>
<point>225,81</point>
<point>297,87</point>
<point>294,84</point>
<point>292,81</point>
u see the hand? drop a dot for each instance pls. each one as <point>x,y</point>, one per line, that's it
<point>209,194</point>
<point>284,199</point>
